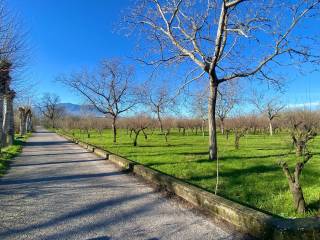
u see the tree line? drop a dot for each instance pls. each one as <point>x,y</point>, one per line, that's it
<point>221,43</point>
<point>300,127</point>
<point>12,55</point>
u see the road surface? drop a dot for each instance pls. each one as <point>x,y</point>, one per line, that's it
<point>57,190</point>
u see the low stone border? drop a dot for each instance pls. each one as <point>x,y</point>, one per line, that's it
<point>244,219</point>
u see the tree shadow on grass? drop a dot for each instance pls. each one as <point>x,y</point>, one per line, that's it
<point>270,148</point>
<point>153,164</point>
<point>314,206</point>
<point>6,157</point>
<point>166,145</point>
<point>193,153</point>
<point>206,160</point>
<point>239,194</point>
<point>19,141</point>
<point>234,176</point>
<point>259,169</point>
<point>235,157</point>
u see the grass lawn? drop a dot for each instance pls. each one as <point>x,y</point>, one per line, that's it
<point>10,152</point>
<point>249,175</point>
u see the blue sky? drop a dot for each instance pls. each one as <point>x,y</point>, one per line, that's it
<point>65,35</point>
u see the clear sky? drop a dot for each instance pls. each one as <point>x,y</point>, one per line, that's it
<point>65,35</point>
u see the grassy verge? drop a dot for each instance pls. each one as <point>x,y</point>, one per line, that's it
<point>250,175</point>
<point>8,153</point>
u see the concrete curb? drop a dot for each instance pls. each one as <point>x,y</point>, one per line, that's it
<point>244,219</point>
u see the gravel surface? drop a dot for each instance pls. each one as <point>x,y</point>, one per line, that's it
<point>57,190</point>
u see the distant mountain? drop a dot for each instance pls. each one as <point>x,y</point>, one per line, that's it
<point>78,110</point>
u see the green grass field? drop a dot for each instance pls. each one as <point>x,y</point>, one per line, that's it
<point>10,152</point>
<point>249,175</point>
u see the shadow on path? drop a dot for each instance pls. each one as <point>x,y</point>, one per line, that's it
<point>59,178</point>
<point>59,162</point>
<point>83,211</point>
<point>42,144</point>
<point>53,154</point>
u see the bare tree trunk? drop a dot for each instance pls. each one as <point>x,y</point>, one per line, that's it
<point>5,121</point>
<point>23,126</point>
<point>238,134</point>
<point>145,135</point>
<point>136,135</point>
<point>114,129</point>
<point>202,126</point>
<point>29,121</point>
<point>88,133</point>
<point>212,127</point>
<point>166,136</point>
<point>270,127</point>
<point>1,117</point>
<point>10,119</point>
<point>299,149</point>
<point>236,140</point>
<point>159,120</point>
<point>135,140</point>
<point>22,121</point>
<point>295,187</point>
<point>298,197</point>
<point>222,125</point>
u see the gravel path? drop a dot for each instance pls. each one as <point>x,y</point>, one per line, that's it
<point>57,190</point>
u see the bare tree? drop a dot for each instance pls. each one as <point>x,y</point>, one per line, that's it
<point>10,117</point>
<point>13,53</point>
<point>168,124</point>
<point>49,107</point>
<point>301,134</point>
<point>200,107</point>
<point>137,125</point>
<point>240,127</point>
<point>108,89</point>
<point>25,116</point>
<point>228,97</point>
<point>12,38</point>
<point>22,117</point>
<point>5,81</point>
<point>302,125</point>
<point>226,40</point>
<point>11,57</point>
<point>158,99</point>
<point>29,120</point>
<point>270,107</point>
